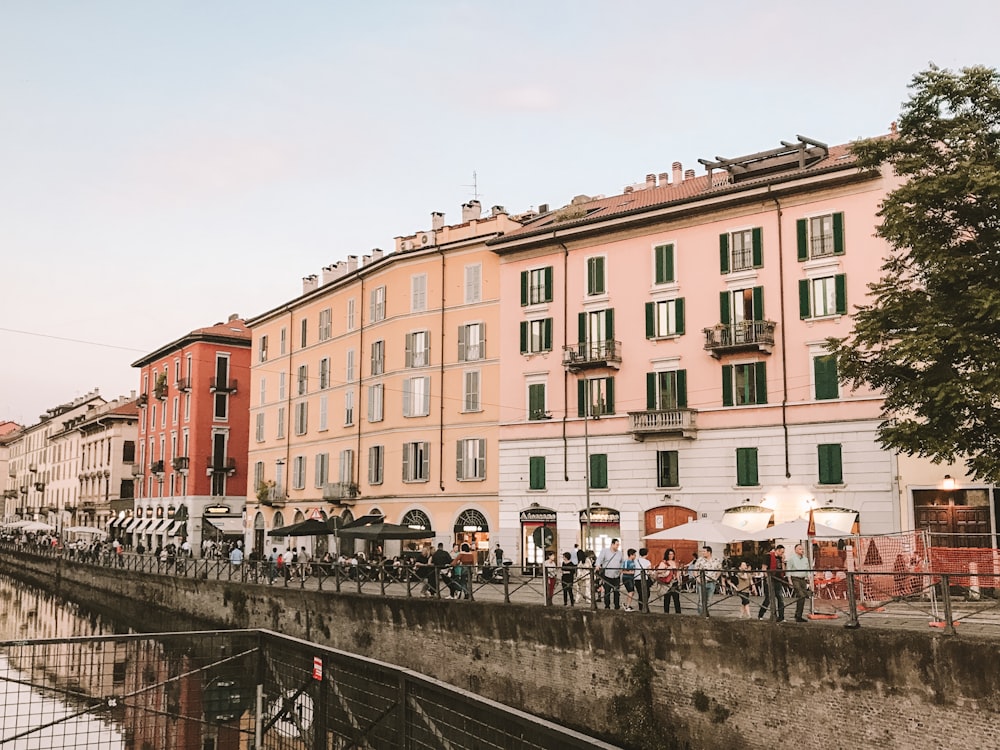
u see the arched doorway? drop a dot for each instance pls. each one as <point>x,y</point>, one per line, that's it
<point>473,529</point>
<point>538,536</point>
<point>667,517</point>
<point>258,533</point>
<point>416,519</point>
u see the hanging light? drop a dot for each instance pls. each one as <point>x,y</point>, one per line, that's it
<point>948,484</point>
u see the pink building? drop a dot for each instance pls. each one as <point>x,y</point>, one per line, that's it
<point>670,362</point>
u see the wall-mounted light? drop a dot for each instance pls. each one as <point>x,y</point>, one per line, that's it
<point>666,498</point>
<point>948,484</point>
<point>829,501</point>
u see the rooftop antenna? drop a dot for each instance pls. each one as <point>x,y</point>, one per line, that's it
<point>474,185</point>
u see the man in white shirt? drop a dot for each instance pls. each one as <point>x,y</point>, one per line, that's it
<point>797,565</point>
<point>642,578</point>
<point>609,564</point>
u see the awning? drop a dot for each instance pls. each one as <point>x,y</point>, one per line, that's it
<point>116,522</point>
<point>133,525</point>
<point>158,526</point>
<point>172,529</point>
<point>228,525</point>
<point>143,525</point>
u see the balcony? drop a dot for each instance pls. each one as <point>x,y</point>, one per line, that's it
<point>340,491</point>
<point>745,336</point>
<point>12,472</point>
<point>9,494</point>
<point>184,385</point>
<point>24,489</point>
<point>88,506</point>
<point>180,463</point>
<point>32,468</point>
<point>589,355</point>
<point>142,400</point>
<point>137,470</point>
<point>273,496</point>
<point>222,385</point>
<point>220,465</point>
<point>160,390</point>
<point>40,486</point>
<point>156,467</point>
<point>662,423</point>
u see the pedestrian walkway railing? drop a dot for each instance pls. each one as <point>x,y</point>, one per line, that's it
<point>942,599</point>
<point>250,689</point>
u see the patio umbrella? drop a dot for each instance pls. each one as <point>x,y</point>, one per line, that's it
<point>33,526</point>
<point>797,529</point>
<point>382,530</point>
<point>702,530</point>
<point>309,527</point>
<point>85,530</point>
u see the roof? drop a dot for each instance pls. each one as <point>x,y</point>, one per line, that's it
<point>233,332</point>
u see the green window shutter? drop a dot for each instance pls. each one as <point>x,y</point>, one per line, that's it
<point>805,308</point>
<point>724,253</point>
<point>758,303</point>
<point>598,471</point>
<point>536,472</point>
<point>610,390</point>
<point>802,232</point>
<point>581,398</point>
<point>760,381</point>
<point>524,288</point>
<point>727,385</point>
<point>601,289</point>
<point>524,336</point>
<point>590,275</point>
<point>536,401</point>
<point>547,334</point>
<point>650,390</point>
<point>669,253</point>
<point>746,467</point>
<point>825,372</point>
<point>838,234</point>
<point>581,328</point>
<point>673,468</point>
<point>682,389</point>
<point>840,288</point>
<point>758,247</point>
<point>679,314</point>
<point>650,320</point>
<point>831,470</point>
<point>609,323</point>
<point>724,308</point>
<point>659,264</point>
<point>548,283</point>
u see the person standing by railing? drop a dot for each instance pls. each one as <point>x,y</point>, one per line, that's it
<point>609,564</point>
<point>798,573</point>
<point>773,583</point>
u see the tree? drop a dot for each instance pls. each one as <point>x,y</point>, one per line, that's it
<point>929,339</point>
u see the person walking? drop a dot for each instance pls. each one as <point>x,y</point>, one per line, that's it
<point>707,570</point>
<point>642,579</point>
<point>551,575</point>
<point>668,575</point>
<point>628,578</point>
<point>744,580</point>
<point>609,565</point>
<point>798,573</point>
<point>773,582</point>
<point>568,578</point>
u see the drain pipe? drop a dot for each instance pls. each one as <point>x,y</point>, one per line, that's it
<point>358,402</point>
<point>441,385</point>
<point>784,350</point>
<point>565,371</point>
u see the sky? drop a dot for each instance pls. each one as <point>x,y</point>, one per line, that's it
<point>165,165</point>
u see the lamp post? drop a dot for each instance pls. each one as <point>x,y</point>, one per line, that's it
<point>587,414</point>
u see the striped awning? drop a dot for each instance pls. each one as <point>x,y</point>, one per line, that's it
<point>133,524</point>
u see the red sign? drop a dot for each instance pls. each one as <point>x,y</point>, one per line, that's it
<point>317,668</point>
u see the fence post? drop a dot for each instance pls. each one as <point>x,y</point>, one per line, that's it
<point>852,604</point>
<point>381,577</point>
<point>506,584</point>
<point>949,623</point>
<point>336,576</point>
<point>702,593</point>
<point>592,582</point>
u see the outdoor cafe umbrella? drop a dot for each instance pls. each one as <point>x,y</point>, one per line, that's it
<point>33,526</point>
<point>85,530</point>
<point>309,527</point>
<point>383,530</point>
<point>702,530</point>
<point>797,529</point>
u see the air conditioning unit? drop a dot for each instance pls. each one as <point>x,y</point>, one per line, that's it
<point>425,238</point>
<point>406,245</point>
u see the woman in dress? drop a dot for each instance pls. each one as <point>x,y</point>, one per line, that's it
<point>668,577</point>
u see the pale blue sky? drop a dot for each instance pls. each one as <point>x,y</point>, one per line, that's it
<point>165,164</point>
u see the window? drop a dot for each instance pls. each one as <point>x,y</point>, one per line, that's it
<point>831,470</point>
<point>301,417</point>
<point>471,460</point>
<point>595,276</point>
<point>323,406</point>
<point>598,471</point>
<point>744,384</point>
<point>349,407</point>
<point>740,306</point>
<point>666,469</point>
<point>596,333</point>
<point>418,292</point>
<point>175,410</point>
<point>663,264</point>
<point>664,318</point>
<point>376,396</point>
<point>825,376</point>
<point>262,349</point>
<point>263,391</point>
<point>299,472</point>
<point>473,283</point>
<point>741,250</point>
<point>416,462</point>
<point>536,401</point>
<point>325,324</point>
<point>746,467</point>
<point>302,381</point>
<point>822,297</point>
<point>345,470</point>
<point>416,397</point>
<point>349,366</point>
<point>666,391</point>
<point>470,391</point>
<point>820,236</point>
<point>350,322</point>
<point>536,286</point>
<point>324,373</point>
<point>258,474</point>
<point>418,345</point>
<point>260,427</point>
<point>376,462</point>
<point>536,336</point>
<point>283,341</point>
<point>281,423</point>
<point>378,357</point>
<point>322,469</point>
<point>221,407</point>
<point>595,397</point>
<point>303,331</point>
<point>471,342</point>
<point>281,386</point>
<point>536,473</point>
<point>376,311</point>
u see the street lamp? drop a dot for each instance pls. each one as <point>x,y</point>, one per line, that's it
<point>588,411</point>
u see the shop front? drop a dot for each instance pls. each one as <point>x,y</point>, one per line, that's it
<point>473,529</point>
<point>538,536</point>
<point>598,527</point>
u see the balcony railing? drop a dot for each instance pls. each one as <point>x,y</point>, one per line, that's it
<point>137,470</point>
<point>340,491</point>
<point>680,422</point>
<point>24,489</point>
<point>274,496</point>
<point>222,385</point>
<point>160,391</point>
<point>9,494</point>
<point>142,400</point>
<point>40,486</point>
<point>180,463</point>
<point>220,465</point>
<point>86,505</point>
<point>592,354</point>
<point>183,385</point>
<point>746,335</point>
<point>157,467</point>
<point>32,467</point>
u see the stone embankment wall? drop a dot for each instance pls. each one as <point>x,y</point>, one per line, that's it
<point>637,681</point>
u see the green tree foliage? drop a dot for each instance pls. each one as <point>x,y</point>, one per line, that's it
<point>929,340</point>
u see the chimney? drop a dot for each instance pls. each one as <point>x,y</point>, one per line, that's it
<point>236,316</point>
<point>628,189</point>
<point>497,210</point>
<point>543,208</point>
<point>329,273</point>
<point>437,220</point>
<point>376,254</point>
<point>664,179</point>
<point>471,211</point>
<point>366,260</point>
<point>678,172</point>
<point>309,284</point>
<point>688,174</point>
<point>352,263</point>
<point>650,181</point>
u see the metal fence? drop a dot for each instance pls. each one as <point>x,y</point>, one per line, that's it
<point>248,689</point>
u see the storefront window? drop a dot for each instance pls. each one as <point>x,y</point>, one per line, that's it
<point>473,529</point>
<point>538,536</point>
<point>599,527</point>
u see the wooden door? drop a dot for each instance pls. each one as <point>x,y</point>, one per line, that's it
<point>667,517</point>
